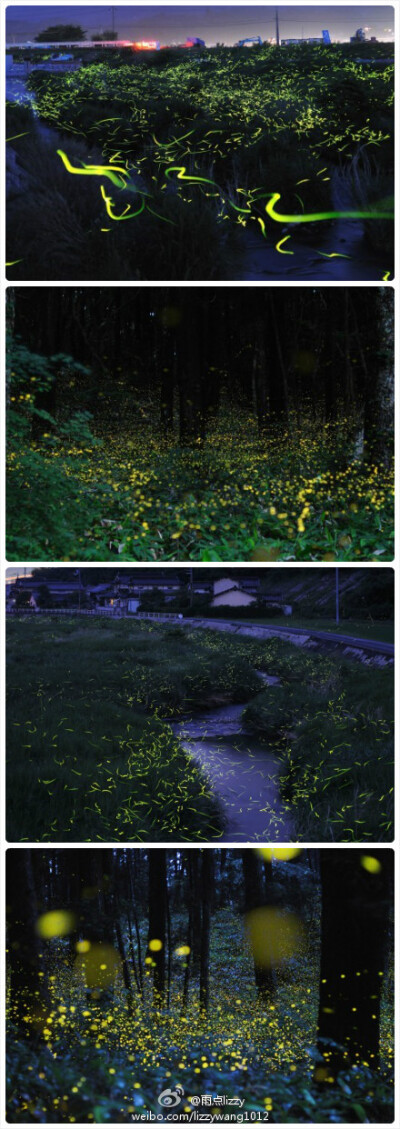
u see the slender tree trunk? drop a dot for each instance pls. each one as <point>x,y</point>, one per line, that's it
<point>379,411</point>
<point>276,363</point>
<point>206,894</point>
<point>124,964</point>
<point>157,919</point>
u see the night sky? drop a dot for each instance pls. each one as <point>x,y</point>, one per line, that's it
<point>214,23</point>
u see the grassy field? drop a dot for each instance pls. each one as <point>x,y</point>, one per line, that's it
<point>332,722</point>
<point>87,747</point>
<point>91,755</point>
<point>188,150</point>
<point>295,495</point>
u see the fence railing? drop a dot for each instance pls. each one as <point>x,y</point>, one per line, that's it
<point>159,615</point>
<point>64,611</point>
<point>111,612</point>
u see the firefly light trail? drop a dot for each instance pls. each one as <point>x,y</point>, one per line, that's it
<point>279,217</point>
<point>182,132</point>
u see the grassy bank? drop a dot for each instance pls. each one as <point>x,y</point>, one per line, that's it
<point>91,755</point>
<point>87,750</point>
<point>332,722</point>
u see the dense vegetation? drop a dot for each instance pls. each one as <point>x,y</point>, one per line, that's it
<point>189,149</point>
<point>203,425</point>
<point>90,747</point>
<point>229,983</point>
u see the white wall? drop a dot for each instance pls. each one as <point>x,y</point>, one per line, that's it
<point>232,599</point>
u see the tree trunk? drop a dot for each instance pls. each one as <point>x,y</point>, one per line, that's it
<point>206,894</point>
<point>254,897</point>
<point>379,400</point>
<point>157,919</point>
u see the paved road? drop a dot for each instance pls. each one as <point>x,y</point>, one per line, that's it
<point>372,645</point>
<point>260,631</point>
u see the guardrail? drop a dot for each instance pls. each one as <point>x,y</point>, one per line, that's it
<point>159,615</point>
<point>65,611</point>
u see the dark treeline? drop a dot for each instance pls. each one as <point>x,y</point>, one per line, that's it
<point>134,910</point>
<point>177,357</point>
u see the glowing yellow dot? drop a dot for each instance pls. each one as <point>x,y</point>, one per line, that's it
<point>371,864</point>
<point>283,853</point>
<point>55,923</point>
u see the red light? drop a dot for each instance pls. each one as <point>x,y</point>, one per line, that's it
<point>146,45</point>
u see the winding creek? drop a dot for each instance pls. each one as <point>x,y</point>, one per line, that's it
<point>244,776</point>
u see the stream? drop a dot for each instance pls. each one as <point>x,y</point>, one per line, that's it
<point>243,774</point>
<point>262,262</point>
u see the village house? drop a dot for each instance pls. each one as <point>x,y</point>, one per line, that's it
<point>230,592</point>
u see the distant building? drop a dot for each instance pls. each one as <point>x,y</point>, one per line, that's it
<point>295,43</point>
<point>250,584</point>
<point>359,36</point>
<point>59,589</point>
<point>314,40</point>
<point>230,593</point>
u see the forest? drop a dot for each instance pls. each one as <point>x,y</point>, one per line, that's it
<point>200,424</point>
<point>230,984</point>
<point>132,730</point>
<point>207,164</point>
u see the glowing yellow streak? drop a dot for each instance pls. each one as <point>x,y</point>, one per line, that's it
<point>313,217</point>
<point>278,246</point>
<point>306,181</point>
<point>262,225</point>
<point>163,218</point>
<point>124,215</point>
<point>15,135</point>
<point>333,255</point>
<point>13,262</point>
<point>181,170</point>
<point>386,276</point>
<point>174,140</point>
<point>95,170</point>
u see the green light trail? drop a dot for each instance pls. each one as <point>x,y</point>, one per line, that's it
<point>96,170</point>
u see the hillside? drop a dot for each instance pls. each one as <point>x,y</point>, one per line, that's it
<point>363,592</point>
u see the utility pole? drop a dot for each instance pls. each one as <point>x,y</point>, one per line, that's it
<point>78,574</point>
<point>113,19</point>
<point>277,27</point>
<point>337,594</point>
